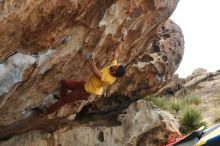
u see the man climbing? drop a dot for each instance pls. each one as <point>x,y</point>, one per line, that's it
<point>72,90</point>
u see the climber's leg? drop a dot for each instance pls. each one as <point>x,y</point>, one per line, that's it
<point>55,106</point>
<point>69,85</point>
<point>78,94</point>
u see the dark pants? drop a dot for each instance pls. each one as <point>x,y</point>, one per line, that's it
<point>70,91</point>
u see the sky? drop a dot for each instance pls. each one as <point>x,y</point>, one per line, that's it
<point>200,23</point>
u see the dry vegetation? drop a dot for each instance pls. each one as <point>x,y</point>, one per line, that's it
<point>186,109</point>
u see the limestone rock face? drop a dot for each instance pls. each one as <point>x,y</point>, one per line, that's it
<point>156,65</point>
<point>141,125</point>
<point>146,74</point>
<point>43,42</point>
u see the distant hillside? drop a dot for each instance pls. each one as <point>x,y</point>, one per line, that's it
<point>199,92</point>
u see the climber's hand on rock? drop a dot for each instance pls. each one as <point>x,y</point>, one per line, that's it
<point>89,57</point>
<point>119,49</point>
<point>91,60</point>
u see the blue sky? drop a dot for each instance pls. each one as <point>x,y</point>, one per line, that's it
<point>200,23</point>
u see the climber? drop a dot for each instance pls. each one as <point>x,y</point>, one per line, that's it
<point>72,90</point>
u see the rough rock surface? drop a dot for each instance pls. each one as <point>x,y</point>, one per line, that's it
<point>42,42</point>
<point>141,125</point>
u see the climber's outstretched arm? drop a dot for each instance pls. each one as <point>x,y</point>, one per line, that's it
<point>95,69</point>
<point>118,51</point>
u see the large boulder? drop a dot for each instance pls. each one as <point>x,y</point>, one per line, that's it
<point>142,125</point>
<point>43,42</point>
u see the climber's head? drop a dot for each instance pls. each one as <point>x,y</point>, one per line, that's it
<point>117,71</point>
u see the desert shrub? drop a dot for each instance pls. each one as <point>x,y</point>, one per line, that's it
<point>191,120</point>
<point>176,106</point>
<point>189,100</point>
<point>158,101</point>
<point>185,109</point>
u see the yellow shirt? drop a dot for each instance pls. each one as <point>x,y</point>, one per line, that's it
<point>95,86</point>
